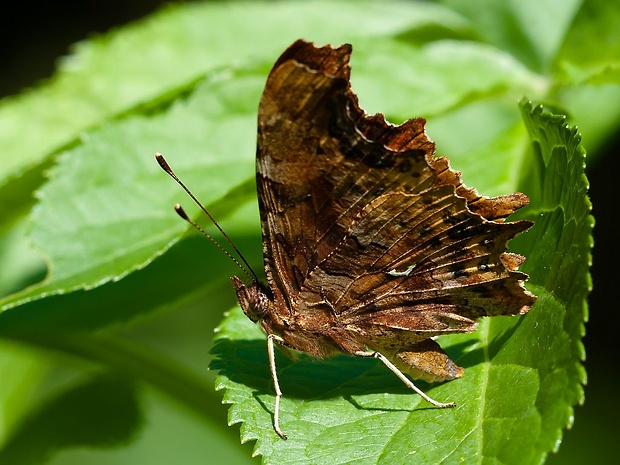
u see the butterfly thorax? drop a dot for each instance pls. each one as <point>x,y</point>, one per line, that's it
<point>317,335</point>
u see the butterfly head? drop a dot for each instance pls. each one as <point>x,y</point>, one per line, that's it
<point>253,299</point>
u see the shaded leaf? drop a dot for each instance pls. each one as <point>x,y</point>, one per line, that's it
<point>532,31</point>
<point>101,412</point>
<point>594,28</point>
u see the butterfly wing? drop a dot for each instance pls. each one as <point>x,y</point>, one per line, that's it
<point>361,222</point>
<point>312,181</point>
<point>291,163</point>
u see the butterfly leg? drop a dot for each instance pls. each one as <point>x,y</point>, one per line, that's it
<point>404,379</point>
<point>272,366</point>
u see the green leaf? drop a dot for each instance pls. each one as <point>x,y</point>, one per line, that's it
<point>68,420</point>
<point>523,375</point>
<point>594,29</point>
<point>532,31</point>
<point>586,72</point>
<point>106,210</point>
<point>154,60</point>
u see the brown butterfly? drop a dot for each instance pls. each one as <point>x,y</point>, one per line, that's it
<point>372,245</point>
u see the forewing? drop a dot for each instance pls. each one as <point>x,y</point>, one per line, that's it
<point>312,179</point>
<point>360,219</point>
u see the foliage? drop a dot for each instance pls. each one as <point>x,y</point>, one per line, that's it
<point>82,200</point>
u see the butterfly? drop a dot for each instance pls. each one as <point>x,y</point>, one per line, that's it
<point>372,245</point>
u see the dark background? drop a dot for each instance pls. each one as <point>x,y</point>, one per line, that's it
<point>33,37</point>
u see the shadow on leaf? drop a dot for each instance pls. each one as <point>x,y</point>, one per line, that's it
<point>102,411</point>
<point>245,362</point>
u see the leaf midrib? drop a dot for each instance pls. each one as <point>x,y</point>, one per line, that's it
<point>483,330</point>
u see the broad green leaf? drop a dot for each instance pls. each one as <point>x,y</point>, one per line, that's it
<point>107,208</point>
<point>435,78</point>
<point>498,135</point>
<point>158,58</point>
<point>523,374</point>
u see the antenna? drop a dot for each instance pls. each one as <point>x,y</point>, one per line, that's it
<point>166,167</point>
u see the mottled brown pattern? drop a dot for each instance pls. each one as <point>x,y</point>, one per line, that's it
<point>370,242</point>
